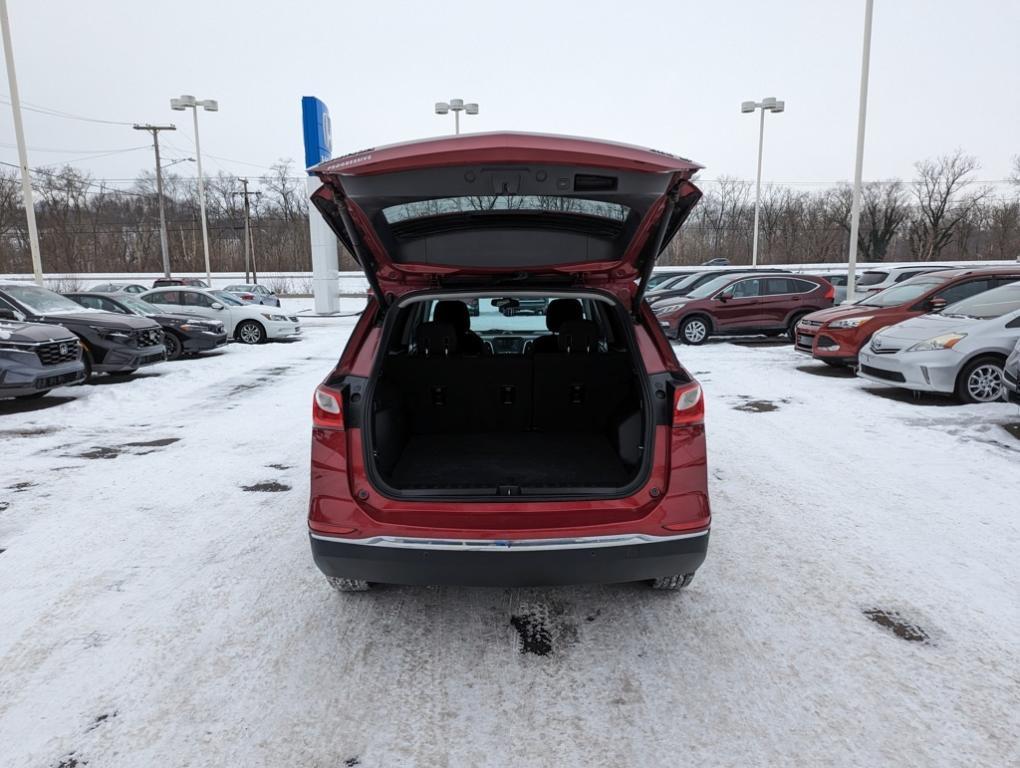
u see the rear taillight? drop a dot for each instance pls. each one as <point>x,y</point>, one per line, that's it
<point>248,296</point>
<point>327,412</point>
<point>830,292</point>
<point>688,405</point>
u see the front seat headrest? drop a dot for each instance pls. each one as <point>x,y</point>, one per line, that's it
<point>560,311</point>
<point>453,312</point>
<point>436,339</point>
<point>578,337</point>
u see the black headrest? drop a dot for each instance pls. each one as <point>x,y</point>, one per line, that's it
<point>560,311</point>
<point>436,339</point>
<point>453,312</point>
<point>578,337</point>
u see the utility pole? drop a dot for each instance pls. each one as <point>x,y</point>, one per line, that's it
<point>19,133</point>
<point>164,246</point>
<point>249,243</point>
<point>862,115</point>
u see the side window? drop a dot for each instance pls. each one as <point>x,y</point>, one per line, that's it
<point>91,302</point>
<point>168,297</point>
<point>108,306</point>
<point>776,286</point>
<point>909,274</point>
<point>7,305</point>
<point>192,299</point>
<point>746,289</point>
<point>964,290</point>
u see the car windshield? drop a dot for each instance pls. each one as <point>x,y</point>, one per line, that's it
<point>707,289</point>
<point>993,303</point>
<point>42,301</point>
<point>226,298</point>
<point>900,294</point>
<point>687,282</point>
<point>138,306</point>
<point>872,278</point>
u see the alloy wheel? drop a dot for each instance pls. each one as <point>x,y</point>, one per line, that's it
<point>985,383</point>
<point>695,331</point>
<point>250,332</point>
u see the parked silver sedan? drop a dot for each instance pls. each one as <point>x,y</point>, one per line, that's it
<point>960,352</point>
<point>253,293</point>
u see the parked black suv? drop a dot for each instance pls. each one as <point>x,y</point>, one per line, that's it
<point>35,358</point>
<point>113,343</point>
<point>182,334</point>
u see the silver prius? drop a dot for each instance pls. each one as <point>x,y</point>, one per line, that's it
<point>961,351</point>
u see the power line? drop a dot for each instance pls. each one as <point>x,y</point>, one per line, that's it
<point>26,105</point>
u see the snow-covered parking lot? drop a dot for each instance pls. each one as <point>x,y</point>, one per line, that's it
<point>860,604</point>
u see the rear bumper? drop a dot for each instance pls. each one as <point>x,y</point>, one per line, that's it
<point>513,563</point>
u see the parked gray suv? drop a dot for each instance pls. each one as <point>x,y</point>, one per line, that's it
<point>36,357</point>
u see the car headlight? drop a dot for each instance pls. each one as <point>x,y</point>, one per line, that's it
<point>275,318</point>
<point>850,322</point>
<point>111,334</point>
<point>945,341</point>
<point>665,309</point>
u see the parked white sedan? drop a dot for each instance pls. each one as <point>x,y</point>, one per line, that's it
<point>247,323</point>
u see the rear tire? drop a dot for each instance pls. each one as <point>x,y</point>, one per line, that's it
<point>673,583</point>
<point>347,585</point>
<point>980,381</point>
<point>791,328</point>
<point>250,332</point>
<point>173,345</point>
<point>694,330</point>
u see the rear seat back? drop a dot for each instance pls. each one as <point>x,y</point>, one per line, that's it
<point>580,392</point>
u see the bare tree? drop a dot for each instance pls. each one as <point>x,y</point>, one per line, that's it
<point>884,209</point>
<point>943,204</point>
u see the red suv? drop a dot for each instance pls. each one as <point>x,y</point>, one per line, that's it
<point>507,448</point>
<point>836,335</point>
<point>737,304</point>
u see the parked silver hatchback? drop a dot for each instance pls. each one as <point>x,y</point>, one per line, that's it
<point>961,351</point>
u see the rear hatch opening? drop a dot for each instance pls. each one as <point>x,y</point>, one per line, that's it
<point>504,394</point>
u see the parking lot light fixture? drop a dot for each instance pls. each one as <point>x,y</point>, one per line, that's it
<point>769,104</point>
<point>183,102</point>
<point>456,106</point>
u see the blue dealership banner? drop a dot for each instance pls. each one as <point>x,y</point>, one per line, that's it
<point>318,131</point>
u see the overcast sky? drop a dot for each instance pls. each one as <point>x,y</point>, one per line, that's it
<point>669,75</point>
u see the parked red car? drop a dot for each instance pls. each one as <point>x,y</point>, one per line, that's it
<point>836,335</point>
<point>745,303</point>
<point>507,448</point>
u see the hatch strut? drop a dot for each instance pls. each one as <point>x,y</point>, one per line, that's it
<point>660,236</point>
<point>361,254</point>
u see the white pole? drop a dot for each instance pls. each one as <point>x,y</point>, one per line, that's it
<point>19,133</point>
<point>456,122</point>
<point>757,190</point>
<point>201,201</point>
<point>855,208</point>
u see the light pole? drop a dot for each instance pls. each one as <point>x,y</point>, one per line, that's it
<point>771,104</point>
<point>209,105</point>
<point>862,114</point>
<point>164,246</point>
<point>456,106</point>
<point>19,133</point>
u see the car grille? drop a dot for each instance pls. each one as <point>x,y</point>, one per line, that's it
<point>804,342</point>
<point>57,352</point>
<point>55,381</point>
<point>883,350</point>
<point>881,373</point>
<point>149,338</point>
<point>827,341</point>
<point>810,323</point>
<point>149,359</point>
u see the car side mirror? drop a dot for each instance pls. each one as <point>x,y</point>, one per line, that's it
<point>216,305</point>
<point>937,304</point>
<point>7,314</point>
<point>725,296</point>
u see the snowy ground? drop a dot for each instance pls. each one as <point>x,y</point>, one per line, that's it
<point>156,613</point>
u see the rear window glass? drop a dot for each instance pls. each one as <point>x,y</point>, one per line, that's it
<point>424,209</point>
<point>872,278</point>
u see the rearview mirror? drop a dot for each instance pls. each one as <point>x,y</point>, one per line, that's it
<point>937,304</point>
<point>507,306</point>
<point>216,305</point>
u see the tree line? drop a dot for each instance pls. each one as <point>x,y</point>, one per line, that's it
<point>86,225</point>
